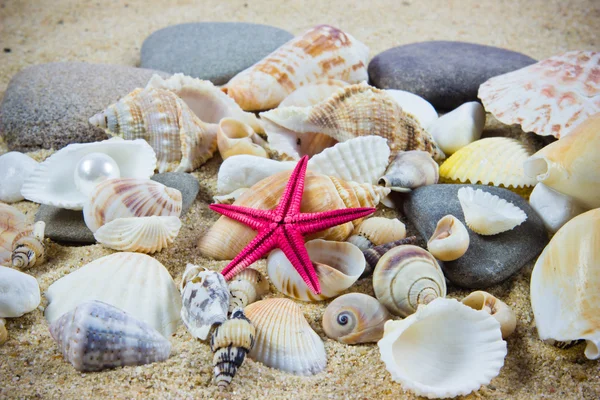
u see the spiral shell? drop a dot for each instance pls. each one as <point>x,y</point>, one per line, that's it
<point>407,276</point>
<point>410,170</point>
<point>246,287</point>
<point>373,254</point>
<point>498,309</point>
<point>236,138</point>
<point>450,240</point>
<point>12,223</point>
<point>28,247</point>
<point>376,231</point>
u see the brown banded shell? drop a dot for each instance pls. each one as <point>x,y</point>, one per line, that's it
<point>450,240</point>
<point>498,309</point>
<point>376,231</point>
<point>373,254</point>
<point>28,247</point>
<point>246,287</point>
<point>410,170</point>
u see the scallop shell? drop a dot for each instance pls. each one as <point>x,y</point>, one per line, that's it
<point>284,339</point>
<point>488,214</point>
<point>450,240</point>
<point>96,336</point>
<point>129,197</point>
<point>28,248</point>
<point>498,309</point>
<point>497,161</point>
<point>419,108</point>
<point>459,127</point>
<point>140,234</point>
<point>374,254</point>
<point>337,264</point>
<point>323,52</point>
<point>19,293</point>
<point>565,284</point>
<point>313,93</point>
<point>410,170</point>
<point>376,231</point>
<point>463,348</point>
<point>554,208</point>
<point>551,97</point>
<point>235,137</point>
<point>182,142</point>
<point>407,276</point>
<point>355,318</point>
<point>134,282</point>
<point>3,331</point>
<point>53,183</point>
<point>246,287</point>
<point>12,223</point>
<point>15,168</point>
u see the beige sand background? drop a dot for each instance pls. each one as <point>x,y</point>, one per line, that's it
<point>113,31</point>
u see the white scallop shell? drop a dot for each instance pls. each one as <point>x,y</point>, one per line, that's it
<point>19,293</point>
<point>314,93</point>
<point>136,283</point>
<point>488,214</point>
<point>418,107</point>
<point>140,234</point>
<point>444,350</point>
<point>53,183</point>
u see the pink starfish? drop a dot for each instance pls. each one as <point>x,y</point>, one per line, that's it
<point>284,227</point>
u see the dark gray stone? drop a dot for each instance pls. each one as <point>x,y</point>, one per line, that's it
<point>447,74</point>
<point>187,184</point>
<point>48,105</point>
<point>215,51</point>
<point>489,259</point>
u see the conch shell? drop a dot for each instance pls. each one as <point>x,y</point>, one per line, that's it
<point>410,170</point>
<point>312,94</point>
<point>235,137</point>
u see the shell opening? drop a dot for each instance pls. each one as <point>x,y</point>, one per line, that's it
<point>234,129</point>
<point>591,350</point>
<point>475,300</point>
<point>536,168</point>
<point>383,182</point>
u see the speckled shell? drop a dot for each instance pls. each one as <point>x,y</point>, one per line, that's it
<point>28,248</point>
<point>129,197</point>
<point>486,302</point>
<point>410,170</point>
<point>450,240</point>
<point>246,287</point>
<point>226,238</point>
<point>551,97</point>
<point>235,138</point>
<point>313,93</point>
<point>375,231</point>
<point>323,52</point>
<point>12,223</point>
<point>96,336</point>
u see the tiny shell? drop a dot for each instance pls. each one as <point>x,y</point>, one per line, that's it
<point>28,248</point>
<point>12,223</point>
<point>3,331</point>
<point>246,287</point>
<point>459,127</point>
<point>498,309</point>
<point>450,240</point>
<point>314,93</point>
<point>19,293</point>
<point>418,107</point>
<point>15,168</point>
<point>410,170</point>
<point>554,208</point>
<point>375,231</point>
<point>373,254</point>
<point>235,137</point>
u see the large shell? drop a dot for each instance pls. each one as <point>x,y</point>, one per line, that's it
<point>355,318</point>
<point>129,197</point>
<point>15,168</point>
<point>554,208</point>
<point>235,137</point>
<point>314,93</point>
<point>141,234</point>
<point>226,238</point>
<point>337,264</point>
<point>134,282</point>
<point>284,339</point>
<point>410,170</point>
<point>246,287</point>
<point>12,223</point>
<point>19,293</point>
<point>565,284</point>
<point>450,240</point>
<point>459,127</point>
<point>96,336</point>
<point>498,309</point>
<point>287,144</point>
<point>53,182</point>
<point>571,165</point>
<point>322,52</point>
<point>376,231</point>
<point>444,350</point>
<point>407,276</point>
<point>28,248</point>
<point>488,214</point>
<point>182,142</point>
<point>416,106</point>
<point>551,97</point>
<point>497,160</point>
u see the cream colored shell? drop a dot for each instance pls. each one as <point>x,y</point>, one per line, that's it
<point>458,128</point>
<point>375,231</point>
<point>410,170</point>
<point>235,137</point>
<point>246,287</point>
<point>12,223</point>
<point>486,302</point>
<point>450,240</point>
<point>28,249</point>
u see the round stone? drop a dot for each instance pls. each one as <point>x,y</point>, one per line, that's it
<point>94,168</point>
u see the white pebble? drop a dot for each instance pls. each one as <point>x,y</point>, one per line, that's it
<point>459,127</point>
<point>555,208</point>
<point>15,167</point>
<point>415,105</point>
<point>19,293</point>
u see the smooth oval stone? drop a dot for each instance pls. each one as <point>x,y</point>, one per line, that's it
<point>215,51</point>
<point>489,259</point>
<point>447,74</point>
<point>15,168</point>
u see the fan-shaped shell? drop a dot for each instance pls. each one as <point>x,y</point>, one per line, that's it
<point>498,309</point>
<point>28,248</point>
<point>284,339</point>
<point>450,240</point>
<point>19,293</point>
<point>235,137</point>
<point>53,182</point>
<point>314,93</point>
<point>134,282</point>
<point>410,170</point>
<point>376,231</point>
<point>12,223</point>
<point>246,287</point>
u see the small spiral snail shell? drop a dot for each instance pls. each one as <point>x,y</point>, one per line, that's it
<point>28,247</point>
<point>246,287</point>
<point>376,231</point>
<point>450,240</point>
<point>498,309</point>
<point>373,254</point>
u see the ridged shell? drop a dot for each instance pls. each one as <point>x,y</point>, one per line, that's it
<point>129,197</point>
<point>462,347</point>
<point>284,339</point>
<point>53,183</point>
<point>28,248</point>
<point>323,52</point>
<point>488,214</point>
<point>314,93</point>
<point>551,97</point>
<point>554,208</point>
<point>376,231</point>
<point>19,293</point>
<point>410,170</point>
<point>450,240</point>
<point>134,282</point>
<point>12,223</point>
<point>565,284</point>
<point>96,336</point>
<point>140,234</point>
<point>373,254</point>
<point>355,318</point>
<point>484,301</point>
<point>226,238</point>
<point>246,287</point>
<point>236,138</point>
<point>497,161</point>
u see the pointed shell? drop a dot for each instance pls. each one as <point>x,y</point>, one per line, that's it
<point>410,170</point>
<point>484,301</point>
<point>246,287</point>
<point>284,339</point>
<point>462,347</point>
<point>488,214</point>
<point>12,223</point>
<point>376,231</point>
<point>28,248</point>
<point>554,208</point>
<point>309,95</point>
<point>450,240</point>
<point>19,293</point>
<point>136,283</point>
<point>235,138</point>
<point>459,127</point>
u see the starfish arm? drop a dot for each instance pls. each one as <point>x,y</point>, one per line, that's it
<point>264,242</point>
<point>314,222</point>
<point>290,241</point>
<point>292,195</point>
<point>254,218</point>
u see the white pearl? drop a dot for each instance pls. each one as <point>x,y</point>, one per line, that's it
<point>94,168</point>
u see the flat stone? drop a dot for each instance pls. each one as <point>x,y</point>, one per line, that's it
<point>215,51</point>
<point>48,105</point>
<point>489,259</point>
<point>447,74</point>
<point>187,184</point>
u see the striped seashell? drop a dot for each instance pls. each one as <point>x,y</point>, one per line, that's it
<point>314,93</point>
<point>236,138</point>
<point>323,52</point>
<point>375,231</point>
<point>129,197</point>
<point>373,254</point>
<point>246,287</point>
<point>12,223</point>
<point>28,247</point>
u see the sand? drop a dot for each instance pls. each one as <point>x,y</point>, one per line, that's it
<point>112,32</point>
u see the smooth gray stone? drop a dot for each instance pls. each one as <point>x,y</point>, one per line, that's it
<point>215,51</point>
<point>187,184</point>
<point>489,259</point>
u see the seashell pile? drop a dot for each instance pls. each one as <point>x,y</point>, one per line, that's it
<point>376,231</point>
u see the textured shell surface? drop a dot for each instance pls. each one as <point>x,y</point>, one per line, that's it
<point>418,107</point>
<point>410,170</point>
<point>376,231</point>
<point>323,52</point>
<point>284,339</point>
<point>140,234</point>
<point>488,214</point>
<point>551,97</point>
<point>484,301</point>
<point>450,240</point>
<point>313,93</point>
<point>53,182</point>
<point>459,127</point>
<point>565,284</point>
<point>12,223</point>
<point>15,168</point>
<point>497,161</point>
<point>96,336</point>
<point>469,353</point>
<point>129,197</point>
<point>3,331</point>
<point>243,171</point>
<point>246,287</point>
<point>205,299</point>
<point>235,137</point>
<point>28,249</point>
<point>355,318</point>
<point>19,293</point>
<point>374,254</point>
<point>554,208</point>
<point>136,283</point>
